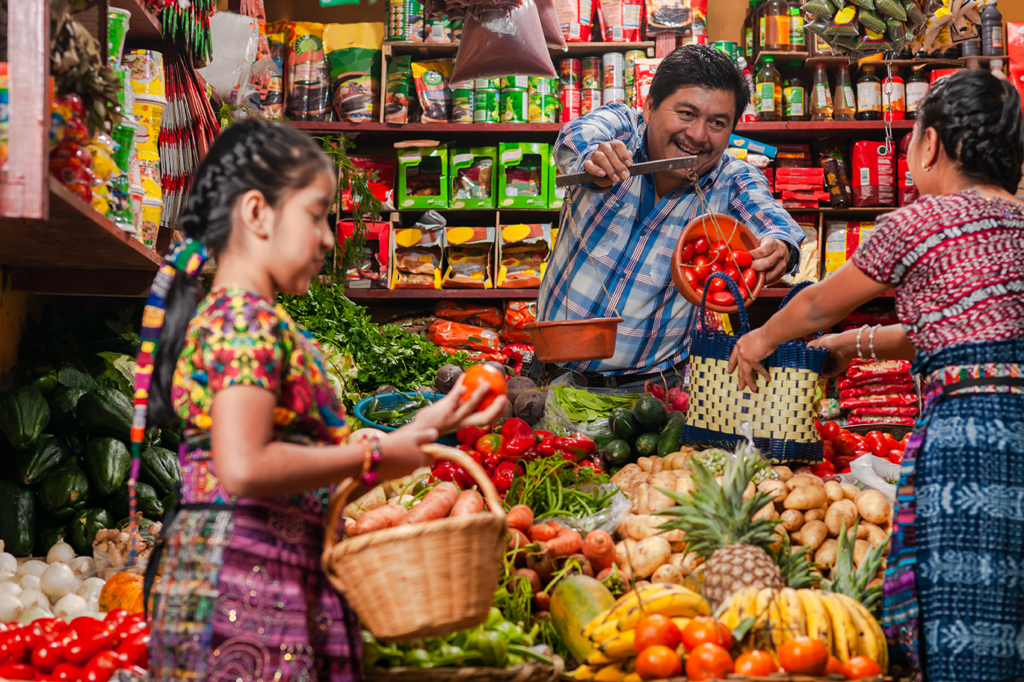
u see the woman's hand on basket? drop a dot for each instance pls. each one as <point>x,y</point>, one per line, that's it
<point>750,350</point>
<point>451,412</point>
<point>841,352</point>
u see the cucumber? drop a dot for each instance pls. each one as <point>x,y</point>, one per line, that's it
<point>623,424</point>
<point>650,413</point>
<point>671,435</point>
<point>647,445</point>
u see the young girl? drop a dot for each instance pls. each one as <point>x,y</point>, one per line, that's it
<point>242,595</point>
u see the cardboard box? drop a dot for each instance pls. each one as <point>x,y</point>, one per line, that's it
<point>423,169</point>
<point>470,251</point>
<point>556,195</point>
<point>522,255</point>
<point>474,177</point>
<point>523,177</point>
<point>752,146</point>
<point>415,256</point>
<point>377,245</point>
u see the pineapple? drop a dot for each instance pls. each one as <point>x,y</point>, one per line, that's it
<point>720,528</point>
<point>852,580</point>
<point>795,565</point>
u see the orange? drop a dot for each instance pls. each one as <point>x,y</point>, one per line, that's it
<point>755,663</point>
<point>658,663</point>
<point>654,630</point>
<point>860,667</point>
<point>804,655</point>
<point>708,662</point>
<point>704,629</point>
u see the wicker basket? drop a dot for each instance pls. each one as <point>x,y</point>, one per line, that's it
<point>422,580</point>
<point>528,672</point>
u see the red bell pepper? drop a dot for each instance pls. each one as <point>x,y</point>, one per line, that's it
<point>468,435</point>
<point>519,438</point>
<point>492,442</point>
<point>541,435</point>
<point>491,461</point>
<point>594,464</point>
<point>504,474</point>
<point>546,448</point>
<point>464,448</point>
<point>577,445</point>
<point>447,471</point>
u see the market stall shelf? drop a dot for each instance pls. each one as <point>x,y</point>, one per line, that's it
<point>572,49</point>
<point>493,294</point>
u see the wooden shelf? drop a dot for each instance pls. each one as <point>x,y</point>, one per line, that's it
<point>144,26</point>
<point>437,294</point>
<point>780,57</point>
<point>832,61</point>
<point>104,259</point>
<point>573,49</point>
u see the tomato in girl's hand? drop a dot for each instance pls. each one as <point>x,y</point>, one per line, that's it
<point>484,375</point>
<point>722,298</point>
<point>701,267</point>
<point>750,278</point>
<point>733,274</point>
<point>741,259</point>
<point>687,254</point>
<point>717,284</point>
<point>701,246</point>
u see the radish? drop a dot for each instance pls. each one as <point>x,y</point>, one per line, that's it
<point>656,390</point>
<point>680,401</point>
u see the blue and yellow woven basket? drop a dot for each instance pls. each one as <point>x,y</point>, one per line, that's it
<point>781,412</point>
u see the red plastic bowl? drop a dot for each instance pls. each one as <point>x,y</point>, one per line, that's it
<point>729,229</point>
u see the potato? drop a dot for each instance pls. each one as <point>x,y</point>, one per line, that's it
<point>826,554</point>
<point>650,554</point>
<point>838,513</point>
<point>802,480</point>
<point>767,512</point>
<point>805,497</point>
<point>860,550</point>
<point>628,478</point>
<point>643,497</point>
<point>368,502</point>
<point>678,546</point>
<point>623,551</point>
<point>685,485</point>
<point>875,582</point>
<point>776,489</point>
<point>667,573</point>
<point>637,527</point>
<point>645,463</point>
<point>785,473</point>
<point>813,533</point>
<point>677,460</point>
<point>874,506</point>
<point>872,533</point>
<point>642,584</point>
<point>657,465</point>
<point>834,491</point>
<point>816,514</point>
<point>685,562</point>
<point>657,500</point>
<point>850,491</point>
<point>792,519</point>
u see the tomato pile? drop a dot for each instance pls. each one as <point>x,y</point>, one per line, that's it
<point>842,447</point>
<point>84,650</point>
<point>701,258</point>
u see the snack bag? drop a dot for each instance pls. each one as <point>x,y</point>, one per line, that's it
<point>272,101</point>
<point>432,79</point>
<point>643,74</point>
<point>353,62</point>
<point>308,85</point>
<point>620,20</point>
<point>396,99</point>
<point>518,314</point>
<point>469,313</point>
<point>842,239</point>
<point>463,336</point>
<point>883,368</point>
<point>677,17</point>
<point>523,254</point>
<point>416,254</point>
<point>874,175</point>
<point>469,257</point>
<point>574,17</point>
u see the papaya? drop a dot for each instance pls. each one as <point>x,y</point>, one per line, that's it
<point>17,518</point>
<point>23,415</point>
<point>576,601</point>
<point>41,458</point>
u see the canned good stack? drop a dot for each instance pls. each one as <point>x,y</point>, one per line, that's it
<point>146,72</point>
<point>629,77</point>
<point>592,79</point>
<point>570,79</point>
<point>515,99</point>
<point>544,104</point>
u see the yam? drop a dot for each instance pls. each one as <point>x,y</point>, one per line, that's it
<point>850,491</point>
<point>834,491</point>
<point>804,480</point>
<point>826,554</point>
<point>839,513</point>
<point>805,497</point>
<point>776,489</point>
<point>874,506</point>
<point>792,519</point>
<point>667,573</point>
<point>813,534</point>
<point>785,473</point>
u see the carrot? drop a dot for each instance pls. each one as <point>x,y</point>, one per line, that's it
<point>585,566</point>
<point>470,502</point>
<point>388,516</point>
<point>542,602</point>
<point>516,540</point>
<point>543,532</point>
<point>599,547</point>
<point>565,543</point>
<point>436,505</point>
<point>605,573</point>
<point>541,563</point>
<point>520,517</point>
<point>532,577</point>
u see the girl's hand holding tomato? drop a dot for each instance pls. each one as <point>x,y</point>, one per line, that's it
<point>478,398</point>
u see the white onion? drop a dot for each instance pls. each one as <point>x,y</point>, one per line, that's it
<point>82,565</point>
<point>32,613</point>
<point>90,588</point>
<point>68,605</point>
<point>57,580</point>
<point>10,588</point>
<point>29,582</point>
<point>94,607</point>
<point>8,577</point>
<point>8,564</point>
<point>61,551</point>
<point>32,567</point>
<point>33,597</point>
<point>10,608</point>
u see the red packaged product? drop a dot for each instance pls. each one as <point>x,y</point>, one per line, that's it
<point>886,411</point>
<point>468,313</point>
<point>574,17</point>
<point>857,319</point>
<point>883,368</point>
<point>517,354</point>
<point>475,356</point>
<point>892,421</point>
<point>876,389</point>
<point>463,336</point>
<point>510,335</point>
<point>379,174</point>
<point>845,383</point>
<point>620,20</point>
<point>884,400</point>
<point>874,175</point>
<point>518,314</point>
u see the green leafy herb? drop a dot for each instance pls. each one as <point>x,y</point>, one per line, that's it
<point>582,406</point>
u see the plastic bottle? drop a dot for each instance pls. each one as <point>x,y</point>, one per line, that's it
<point>797,34</point>
<point>821,96</point>
<point>992,44</point>
<point>845,104</point>
<point>972,48</point>
<point>776,14</point>
<point>893,103</point>
<point>794,94</point>
<point>769,91</point>
<point>917,87</point>
<point>750,31</point>
<point>996,65</point>
<point>869,95</point>
<point>750,112</point>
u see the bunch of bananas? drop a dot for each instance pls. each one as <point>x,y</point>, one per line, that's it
<point>613,632</point>
<point>842,623</point>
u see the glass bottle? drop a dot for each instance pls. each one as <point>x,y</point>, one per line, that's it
<point>750,31</point>
<point>821,97</point>
<point>917,87</point>
<point>869,95</point>
<point>893,103</point>
<point>776,14</point>
<point>797,34</point>
<point>761,30</point>
<point>794,94</point>
<point>992,31</point>
<point>769,91</point>
<point>844,103</point>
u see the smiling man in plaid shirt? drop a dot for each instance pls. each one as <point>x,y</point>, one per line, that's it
<point>631,229</point>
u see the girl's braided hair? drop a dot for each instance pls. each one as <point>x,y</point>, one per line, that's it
<point>251,155</point>
<point>978,118</point>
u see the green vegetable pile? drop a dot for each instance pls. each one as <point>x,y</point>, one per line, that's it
<point>553,488</point>
<point>497,643</point>
<point>646,430</point>
<point>582,406</point>
<point>383,354</point>
<point>397,416</point>
<point>66,423</point>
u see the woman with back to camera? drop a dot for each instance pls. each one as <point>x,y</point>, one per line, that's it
<point>954,584</point>
<point>242,595</point>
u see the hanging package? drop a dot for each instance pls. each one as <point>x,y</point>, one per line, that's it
<point>498,43</point>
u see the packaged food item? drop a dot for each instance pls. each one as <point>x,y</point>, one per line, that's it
<point>590,101</point>
<point>379,173</point>
<point>469,313</point>
<point>405,21</point>
<point>842,239</point>
<point>416,254</point>
<point>438,29</point>
<point>677,17</point>
<point>879,400</point>
<point>556,195</point>
<point>353,63</point>
<point>523,174</point>
<point>837,180</point>
<point>396,98</point>
<point>308,83</point>
<point>908,192</point>
<point>570,73</point>
<point>423,177</point>
<point>463,336</point>
<point>469,251</point>
<point>522,255</point>
<point>855,420</point>
<point>593,73</point>
<point>809,252</point>
<point>462,104</point>
<point>620,20</point>
<point>474,180</point>
<point>486,106</point>
<point>882,368</point>
<point>826,408</point>
<point>520,354</point>
<point>370,267</point>
<point>513,42</point>
<point>845,383</point>
<point>643,74</point>
<point>574,17</point>
<point>874,175</point>
<point>515,106</point>
<point>518,314</point>
<point>475,356</point>
<point>272,101</point>
<point>572,103</point>
<point>435,96</point>
<point>879,389</point>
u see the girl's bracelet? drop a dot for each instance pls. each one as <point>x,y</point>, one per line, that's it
<point>871,342</point>
<point>860,331</point>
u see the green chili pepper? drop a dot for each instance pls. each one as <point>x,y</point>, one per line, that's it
<point>402,420</point>
<point>512,633</point>
<point>382,416</point>
<point>526,652</point>
<point>417,658</point>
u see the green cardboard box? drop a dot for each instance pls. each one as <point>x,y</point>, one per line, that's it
<point>523,177</point>
<point>423,177</point>
<point>556,195</point>
<point>474,177</point>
